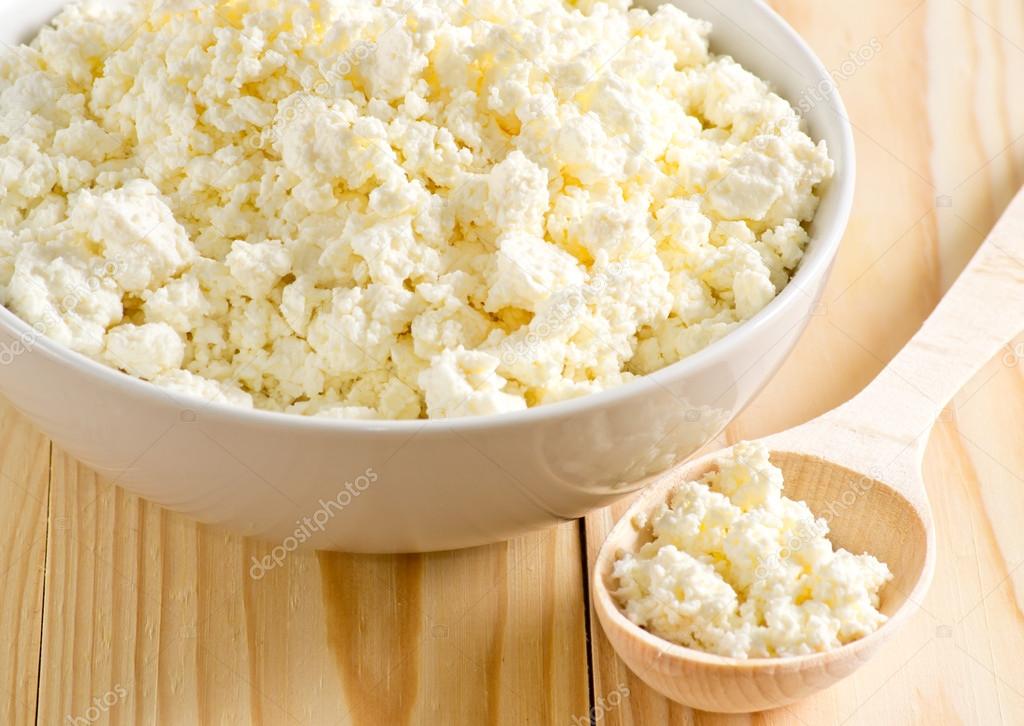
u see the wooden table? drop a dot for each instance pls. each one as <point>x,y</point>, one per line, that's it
<point>116,611</point>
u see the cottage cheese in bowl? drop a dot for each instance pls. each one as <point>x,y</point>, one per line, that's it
<point>393,209</point>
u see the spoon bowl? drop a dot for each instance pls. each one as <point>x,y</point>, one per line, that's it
<point>858,467</point>
<point>863,514</point>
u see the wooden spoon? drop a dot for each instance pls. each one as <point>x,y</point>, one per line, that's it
<point>859,466</point>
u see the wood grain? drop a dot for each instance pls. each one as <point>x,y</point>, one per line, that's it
<point>165,615</point>
<point>24,468</point>
<point>166,610</point>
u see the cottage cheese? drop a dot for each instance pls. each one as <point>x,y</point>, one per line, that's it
<point>737,569</point>
<point>392,209</point>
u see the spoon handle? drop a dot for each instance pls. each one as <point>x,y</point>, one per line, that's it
<point>983,311</point>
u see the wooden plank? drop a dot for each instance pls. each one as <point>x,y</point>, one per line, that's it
<point>24,468</point>
<point>935,169</point>
<point>490,635</point>
<point>161,618</point>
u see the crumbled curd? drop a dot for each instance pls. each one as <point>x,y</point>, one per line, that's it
<point>392,209</point>
<point>737,569</point>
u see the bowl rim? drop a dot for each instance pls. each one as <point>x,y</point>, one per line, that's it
<point>822,249</point>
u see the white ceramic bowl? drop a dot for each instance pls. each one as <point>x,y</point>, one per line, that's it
<point>395,486</point>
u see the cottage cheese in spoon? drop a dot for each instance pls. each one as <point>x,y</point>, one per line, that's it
<point>735,568</point>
